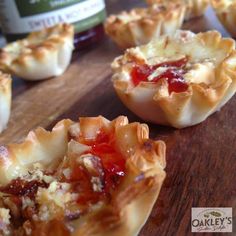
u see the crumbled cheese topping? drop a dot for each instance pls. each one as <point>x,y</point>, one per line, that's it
<point>37,174</point>
<point>56,193</point>
<point>53,200</point>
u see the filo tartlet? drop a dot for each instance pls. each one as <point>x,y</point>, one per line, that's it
<point>194,8</point>
<point>41,55</point>
<point>5,99</point>
<point>140,25</point>
<point>226,13</point>
<point>86,178</point>
<point>177,81</point>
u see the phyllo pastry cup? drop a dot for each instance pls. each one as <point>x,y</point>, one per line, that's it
<point>41,55</point>
<point>177,81</point>
<point>139,26</point>
<point>5,100</point>
<point>194,8</point>
<point>226,13</point>
<point>93,177</point>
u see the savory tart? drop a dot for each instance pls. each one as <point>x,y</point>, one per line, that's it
<point>92,177</point>
<point>139,26</point>
<point>226,12</point>
<point>177,80</point>
<point>5,99</point>
<point>194,8</point>
<point>41,55</point>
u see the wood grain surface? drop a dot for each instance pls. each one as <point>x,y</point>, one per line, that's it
<point>201,160</point>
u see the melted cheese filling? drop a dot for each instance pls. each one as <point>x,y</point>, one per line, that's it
<point>158,60</point>
<point>200,73</point>
<point>196,72</point>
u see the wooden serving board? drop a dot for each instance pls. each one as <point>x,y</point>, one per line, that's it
<point>201,160</point>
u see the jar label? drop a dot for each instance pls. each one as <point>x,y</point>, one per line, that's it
<point>24,16</point>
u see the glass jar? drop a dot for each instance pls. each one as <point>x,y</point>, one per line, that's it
<point>20,17</point>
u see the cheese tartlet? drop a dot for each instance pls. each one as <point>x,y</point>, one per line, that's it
<point>5,99</point>
<point>226,12</point>
<point>194,8</point>
<point>139,26</point>
<point>86,178</point>
<point>41,55</point>
<point>177,80</point>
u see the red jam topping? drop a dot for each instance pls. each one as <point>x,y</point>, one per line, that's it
<point>173,75</point>
<point>112,161</point>
<point>108,166</point>
<point>19,187</point>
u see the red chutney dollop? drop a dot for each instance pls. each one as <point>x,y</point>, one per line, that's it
<point>20,187</point>
<point>108,168</point>
<point>173,75</point>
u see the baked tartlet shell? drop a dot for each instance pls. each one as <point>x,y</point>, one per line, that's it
<point>226,15</point>
<point>47,53</point>
<point>140,31</point>
<point>179,110</point>
<point>131,203</point>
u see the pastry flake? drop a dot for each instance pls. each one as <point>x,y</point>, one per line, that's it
<point>226,12</point>
<point>177,80</point>
<point>41,55</point>
<point>139,26</point>
<point>93,177</point>
<point>194,8</point>
<point>5,99</point>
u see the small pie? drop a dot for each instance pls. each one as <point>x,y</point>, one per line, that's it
<point>194,8</point>
<point>139,26</point>
<point>226,12</point>
<point>93,177</point>
<point>41,55</point>
<point>5,99</point>
<point>177,80</point>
